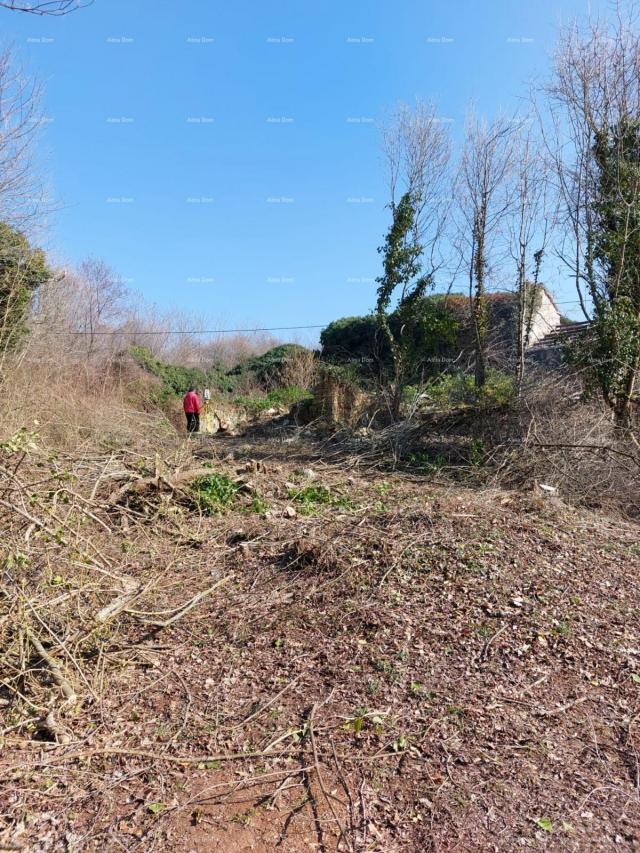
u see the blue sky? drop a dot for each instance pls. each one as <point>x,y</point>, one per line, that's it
<point>224,158</point>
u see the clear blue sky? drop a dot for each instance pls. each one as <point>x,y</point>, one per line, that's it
<point>224,157</point>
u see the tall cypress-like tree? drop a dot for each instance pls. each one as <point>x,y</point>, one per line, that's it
<point>401,252</point>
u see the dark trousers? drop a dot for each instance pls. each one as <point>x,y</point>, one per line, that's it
<point>193,422</point>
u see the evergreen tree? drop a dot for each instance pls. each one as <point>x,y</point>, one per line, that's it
<point>22,270</point>
<point>401,252</point>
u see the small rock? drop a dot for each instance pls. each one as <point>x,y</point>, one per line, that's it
<point>289,512</point>
<point>309,473</point>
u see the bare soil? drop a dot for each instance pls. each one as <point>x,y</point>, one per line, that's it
<point>403,667</point>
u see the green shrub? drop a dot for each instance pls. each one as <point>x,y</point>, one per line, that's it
<point>22,270</point>
<point>458,389</point>
<point>359,342</point>
<point>266,368</point>
<point>214,493</point>
<point>176,380</point>
<point>278,398</point>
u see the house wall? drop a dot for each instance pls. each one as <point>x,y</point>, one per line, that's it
<point>545,319</point>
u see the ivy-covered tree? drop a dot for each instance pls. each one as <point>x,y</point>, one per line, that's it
<point>613,353</point>
<point>22,270</point>
<point>594,97</point>
<point>401,252</point>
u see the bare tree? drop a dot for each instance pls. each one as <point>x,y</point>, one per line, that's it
<point>594,140</point>
<point>103,295</point>
<point>529,226</point>
<point>21,193</point>
<point>417,149</point>
<point>53,8</point>
<point>81,311</point>
<point>484,201</point>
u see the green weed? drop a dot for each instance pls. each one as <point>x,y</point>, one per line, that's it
<point>259,505</point>
<point>310,498</point>
<point>424,461</point>
<point>214,493</point>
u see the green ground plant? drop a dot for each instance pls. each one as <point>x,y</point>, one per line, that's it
<point>214,493</point>
<point>310,499</point>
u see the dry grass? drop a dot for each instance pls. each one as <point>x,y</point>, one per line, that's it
<point>80,408</point>
<point>551,436</point>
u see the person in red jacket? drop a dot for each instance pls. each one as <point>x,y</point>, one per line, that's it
<point>191,406</point>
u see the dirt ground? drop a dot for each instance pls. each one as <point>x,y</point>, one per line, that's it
<point>384,664</point>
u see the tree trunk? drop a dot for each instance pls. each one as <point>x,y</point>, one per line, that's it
<point>480,306</point>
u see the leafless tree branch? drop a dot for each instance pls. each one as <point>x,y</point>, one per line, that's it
<point>53,8</point>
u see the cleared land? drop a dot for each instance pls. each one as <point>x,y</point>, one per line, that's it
<point>380,663</point>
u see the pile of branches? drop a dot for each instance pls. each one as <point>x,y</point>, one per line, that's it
<point>551,435</point>
<point>67,585</point>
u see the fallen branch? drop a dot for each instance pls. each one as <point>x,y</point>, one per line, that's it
<point>56,672</point>
<point>120,602</point>
<point>186,608</point>
<point>316,762</point>
<point>555,711</point>
<point>49,724</point>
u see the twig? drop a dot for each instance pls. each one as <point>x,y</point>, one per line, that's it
<point>56,672</point>
<point>187,607</point>
<point>555,711</point>
<point>328,797</point>
<point>267,704</point>
<point>485,648</point>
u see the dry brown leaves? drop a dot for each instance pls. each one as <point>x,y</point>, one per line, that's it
<point>410,667</point>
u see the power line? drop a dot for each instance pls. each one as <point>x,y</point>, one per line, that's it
<point>188,331</point>
<point>152,332</point>
<point>155,332</point>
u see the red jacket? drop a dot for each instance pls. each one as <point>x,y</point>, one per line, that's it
<point>191,403</point>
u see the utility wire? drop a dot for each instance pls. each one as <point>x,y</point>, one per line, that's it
<point>151,332</point>
<point>186,331</point>
<point>209,331</point>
